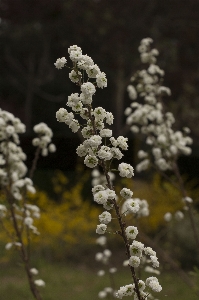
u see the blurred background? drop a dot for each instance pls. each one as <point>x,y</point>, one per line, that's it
<point>33,34</point>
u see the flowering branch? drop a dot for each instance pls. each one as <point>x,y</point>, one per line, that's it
<point>96,153</point>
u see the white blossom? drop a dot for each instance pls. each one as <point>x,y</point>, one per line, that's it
<point>126,193</point>
<point>101,80</point>
<point>91,161</point>
<point>99,113</point>
<point>105,133</point>
<point>60,63</point>
<point>131,232</point>
<point>153,283</point>
<point>101,273</point>
<point>109,118</point>
<point>105,217</point>
<point>168,217</point>
<point>101,229</point>
<point>34,271</point>
<point>136,248</point>
<point>134,261</point>
<point>101,197</point>
<point>39,282</point>
<point>88,89</point>
<point>125,170</point>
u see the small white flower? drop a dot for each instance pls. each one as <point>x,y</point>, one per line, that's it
<point>101,197</point>
<point>125,170</point>
<point>101,240</point>
<point>126,193</point>
<point>131,205</point>
<point>126,290</point>
<point>134,261</point>
<point>142,154</point>
<point>101,229</point>
<point>187,200</point>
<point>143,165</point>
<point>3,210</point>
<point>149,251</point>
<point>81,150</point>
<point>154,260</point>
<point>73,99</point>
<point>136,248</point>
<point>98,188</point>
<point>168,217</point>
<point>60,63</point>
<point>105,133</point>
<point>153,283</point>
<point>28,221</point>
<point>107,253</point>
<point>34,271</point>
<point>122,142</point>
<point>128,111</point>
<point>88,88</point>
<point>39,282</point>
<point>76,55</point>
<point>126,263</point>
<point>105,153</point>
<point>91,161</point>
<point>101,80</point>
<point>102,294</point>
<point>141,285</point>
<point>131,232</point>
<point>100,113</point>
<point>132,92</point>
<point>179,215</point>
<point>8,246</point>
<point>113,270</point>
<point>74,125</point>
<point>52,148</point>
<point>74,48</point>
<point>86,98</point>
<point>75,76</point>
<point>116,153</point>
<point>93,71</point>
<point>99,255</point>
<point>101,273</point>
<point>109,118</point>
<point>111,194</point>
<point>105,217</point>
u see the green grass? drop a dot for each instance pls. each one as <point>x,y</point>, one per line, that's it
<point>73,282</point>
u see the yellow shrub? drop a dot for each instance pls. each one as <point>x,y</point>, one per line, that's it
<point>162,197</point>
<point>68,222</point>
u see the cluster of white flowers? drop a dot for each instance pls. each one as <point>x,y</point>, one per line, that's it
<point>38,282</point>
<point>11,155</point>
<point>135,206</point>
<point>146,115</point>
<point>129,290</point>
<point>15,185</point>
<point>99,148</point>
<point>178,215</point>
<point>104,258</point>
<point>44,138</point>
<point>97,119</point>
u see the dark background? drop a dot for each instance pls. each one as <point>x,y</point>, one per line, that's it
<point>34,33</point>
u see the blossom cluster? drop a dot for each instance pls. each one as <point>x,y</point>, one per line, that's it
<point>44,138</point>
<point>100,148</point>
<point>146,114</point>
<point>15,186</point>
<point>104,258</point>
<point>12,156</point>
<point>97,120</point>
